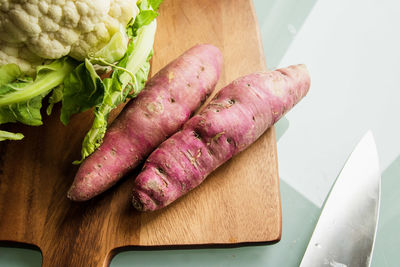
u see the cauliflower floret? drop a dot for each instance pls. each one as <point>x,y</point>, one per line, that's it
<point>20,55</point>
<point>50,29</point>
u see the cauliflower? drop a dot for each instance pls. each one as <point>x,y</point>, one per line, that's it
<point>32,31</point>
<point>18,54</point>
<point>86,54</point>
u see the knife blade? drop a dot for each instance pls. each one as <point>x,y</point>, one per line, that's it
<point>345,232</point>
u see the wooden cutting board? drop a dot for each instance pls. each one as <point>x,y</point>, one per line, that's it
<point>238,204</point>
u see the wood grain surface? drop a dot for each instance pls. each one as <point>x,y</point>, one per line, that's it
<point>238,204</point>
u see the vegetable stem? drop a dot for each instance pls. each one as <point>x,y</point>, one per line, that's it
<point>114,66</point>
<point>57,73</point>
<point>4,135</point>
<point>143,47</point>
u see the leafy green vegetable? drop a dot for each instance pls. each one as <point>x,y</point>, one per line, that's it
<point>21,97</point>
<point>79,86</point>
<point>9,73</point>
<point>47,77</point>
<point>146,15</point>
<point>26,112</point>
<point>83,89</point>
<point>117,88</point>
<point>155,4</point>
<point>144,18</point>
<point>55,97</point>
<point>114,50</point>
<point>129,75</point>
<point>10,136</point>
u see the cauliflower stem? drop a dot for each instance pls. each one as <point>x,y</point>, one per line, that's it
<point>47,78</point>
<point>4,135</point>
<point>117,89</point>
<point>21,96</point>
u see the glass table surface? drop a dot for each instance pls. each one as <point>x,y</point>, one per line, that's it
<point>352,51</point>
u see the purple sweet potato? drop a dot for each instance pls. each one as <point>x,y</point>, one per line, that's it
<point>168,101</point>
<point>233,120</point>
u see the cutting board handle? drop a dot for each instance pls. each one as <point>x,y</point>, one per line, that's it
<point>64,257</point>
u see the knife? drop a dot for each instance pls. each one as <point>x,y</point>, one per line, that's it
<point>346,229</point>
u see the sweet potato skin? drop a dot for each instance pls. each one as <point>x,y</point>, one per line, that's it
<point>233,120</point>
<point>168,101</point>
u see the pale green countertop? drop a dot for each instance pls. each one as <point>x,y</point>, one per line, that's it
<point>352,50</point>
